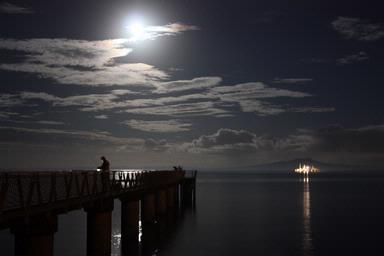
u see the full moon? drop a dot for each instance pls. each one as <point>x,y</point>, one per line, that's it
<point>137,30</point>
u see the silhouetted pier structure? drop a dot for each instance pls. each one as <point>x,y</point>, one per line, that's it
<point>30,203</point>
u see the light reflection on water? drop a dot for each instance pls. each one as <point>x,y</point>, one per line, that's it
<point>116,241</point>
<point>307,231</point>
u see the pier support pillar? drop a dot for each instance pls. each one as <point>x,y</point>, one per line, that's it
<point>148,221</point>
<point>187,192</point>
<point>130,227</point>
<point>35,237</point>
<point>99,228</point>
<point>161,202</point>
<point>176,195</point>
<point>170,197</point>
<point>148,210</point>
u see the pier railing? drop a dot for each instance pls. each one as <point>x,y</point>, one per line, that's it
<point>22,193</point>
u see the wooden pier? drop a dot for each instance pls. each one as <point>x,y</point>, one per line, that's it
<point>30,203</point>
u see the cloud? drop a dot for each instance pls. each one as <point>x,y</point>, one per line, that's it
<point>50,122</point>
<point>312,109</point>
<point>80,62</point>
<point>102,117</point>
<point>170,29</point>
<point>224,137</point>
<point>9,8</point>
<point>7,114</point>
<point>254,90</point>
<point>353,58</point>
<point>183,109</point>
<point>333,140</point>
<point>79,134</point>
<point>185,85</point>
<point>362,140</point>
<point>153,32</point>
<point>251,97</point>
<point>219,101</point>
<point>292,80</point>
<point>163,126</point>
<point>9,100</point>
<point>156,145</point>
<point>358,29</point>
<point>231,141</point>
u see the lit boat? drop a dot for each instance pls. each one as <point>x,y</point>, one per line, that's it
<point>306,169</point>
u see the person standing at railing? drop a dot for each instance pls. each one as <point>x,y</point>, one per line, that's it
<point>104,167</point>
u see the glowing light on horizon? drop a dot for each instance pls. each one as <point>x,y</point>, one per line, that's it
<point>306,170</point>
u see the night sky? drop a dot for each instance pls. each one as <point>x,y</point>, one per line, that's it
<point>204,84</point>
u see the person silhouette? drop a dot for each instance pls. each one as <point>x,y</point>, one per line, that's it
<point>104,167</point>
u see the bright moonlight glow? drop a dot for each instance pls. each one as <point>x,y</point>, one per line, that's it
<point>137,31</point>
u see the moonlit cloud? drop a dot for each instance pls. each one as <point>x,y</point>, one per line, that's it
<point>141,32</point>
<point>68,52</point>
<point>102,117</point>
<point>292,80</point>
<point>353,58</point>
<point>252,97</point>
<point>172,28</point>
<point>313,109</point>
<point>162,126</point>
<point>79,134</point>
<point>184,109</point>
<point>80,62</point>
<point>9,8</point>
<point>9,100</point>
<point>219,101</point>
<point>336,138</point>
<point>185,85</point>
<point>358,29</point>
<point>50,122</point>
<point>231,141</point>
<point>7,114</point>
<point>254,90</point>
<point>156,145</point>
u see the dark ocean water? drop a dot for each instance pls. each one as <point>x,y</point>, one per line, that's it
<point>256,214</point>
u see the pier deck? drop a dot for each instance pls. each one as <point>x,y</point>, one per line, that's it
<point>29,200</point>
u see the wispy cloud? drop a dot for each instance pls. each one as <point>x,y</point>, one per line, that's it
<point>9,100</point>
<point>7,114</point>
<point>101,116</point>
<point>358,29</point>
<point>219,101</point>
<point>252,97</point>
<point>312,109</point>
<point>353,58</point>
<point>10,8</point>
<point>292,80</point>
<point>185,85</point>
<point>183,109</point>
<point>97,136</point>
<point>254,90</point>
<point>81,62</point>
<point>141,32</point>
<point>231,141</point>
<point>46,122</point>
<point>162,126</point>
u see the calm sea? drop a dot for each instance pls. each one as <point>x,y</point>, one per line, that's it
<point>256,214</point>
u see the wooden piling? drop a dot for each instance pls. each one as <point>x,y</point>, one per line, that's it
<point>130,217</point>
<point>35,237</point>
<point>161,203</point>
<point>99,228</point>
